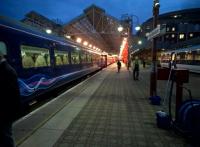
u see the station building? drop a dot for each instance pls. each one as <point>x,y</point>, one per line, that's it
<point>43,23</point>
<point>182,30</point>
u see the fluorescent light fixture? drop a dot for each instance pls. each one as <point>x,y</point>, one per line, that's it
<point>48,31</point>
<point>137,28</point>
<point>78,40</point>
<point>85,43</point>
<point>120,28</point>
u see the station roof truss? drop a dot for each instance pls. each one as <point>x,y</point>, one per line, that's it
<point>96,27</point>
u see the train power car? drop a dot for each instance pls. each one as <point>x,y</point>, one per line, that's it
<point>44,62</point>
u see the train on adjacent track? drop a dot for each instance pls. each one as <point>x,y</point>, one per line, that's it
<point>44,62</point>
<point>185,58</point>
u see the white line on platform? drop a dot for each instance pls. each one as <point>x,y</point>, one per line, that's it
<point>56,98</point>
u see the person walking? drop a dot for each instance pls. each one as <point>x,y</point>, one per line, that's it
<point>10,99</point>
<point>118,66</point>
<point>136,69</point>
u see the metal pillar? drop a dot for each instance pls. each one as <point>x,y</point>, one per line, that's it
<point>153,78</point>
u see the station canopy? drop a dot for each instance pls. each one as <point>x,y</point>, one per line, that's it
<point>96,28</point>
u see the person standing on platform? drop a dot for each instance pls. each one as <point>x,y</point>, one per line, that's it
<point>143,63</point>
<point>9,99</point>
<point>118,66</point>
<point>136,68</point>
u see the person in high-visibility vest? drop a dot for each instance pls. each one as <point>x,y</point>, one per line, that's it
<point>136,68</point>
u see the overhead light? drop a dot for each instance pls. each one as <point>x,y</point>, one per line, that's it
<point>181,36</point>
<point>48,31</point>
<point>85,43</point>
<point>139,42</point>
<point>191,35</point>
<point>78,40</point>
<point>137,28</point>
<point>175,16</point>
<point>157,4</point>
<point>67,36</point>
<point>120,28</point>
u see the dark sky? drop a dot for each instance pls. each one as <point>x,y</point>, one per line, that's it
<point>65,10</point>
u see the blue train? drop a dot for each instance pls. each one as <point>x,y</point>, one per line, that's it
<point>44,62</point>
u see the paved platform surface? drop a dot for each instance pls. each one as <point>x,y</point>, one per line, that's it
<point>110,109</point>
<point>119,114</point>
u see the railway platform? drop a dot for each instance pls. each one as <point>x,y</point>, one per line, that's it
<point>109,109</point>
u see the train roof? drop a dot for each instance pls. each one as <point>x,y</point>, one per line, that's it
<point>19,26</point>
<point>191,48</point>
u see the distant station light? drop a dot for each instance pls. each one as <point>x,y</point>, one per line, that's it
<point>191,34</point>
<point>120,28</point>
<point>181,36</point>
<point>67,36</point>
<point>78,40</point>
<point>85,43</point>
<point>90,45</point>
<point>137,28</point>
<point>156,3</point>
<point>139,42</point>
<point>48,31</point>
<point>175,16</point>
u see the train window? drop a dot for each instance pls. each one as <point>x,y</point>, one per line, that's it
<point>3,49</point>
<point>58,60</point>
<point>61,57</point>
<point>197,55</point>
<point>40,61</point>
<point>189,56</point>
<point>182,55</point>
<point>65,59</point>
<point>178,57</point>
<point>75,57</point>
<point>27,60</point>
<point>89,58</point>
<point>34,56</point>
<point>84,57</point>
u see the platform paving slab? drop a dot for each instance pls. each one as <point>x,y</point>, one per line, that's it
<point>119,114</point>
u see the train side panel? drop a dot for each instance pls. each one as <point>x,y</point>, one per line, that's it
<point>43,64</point>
